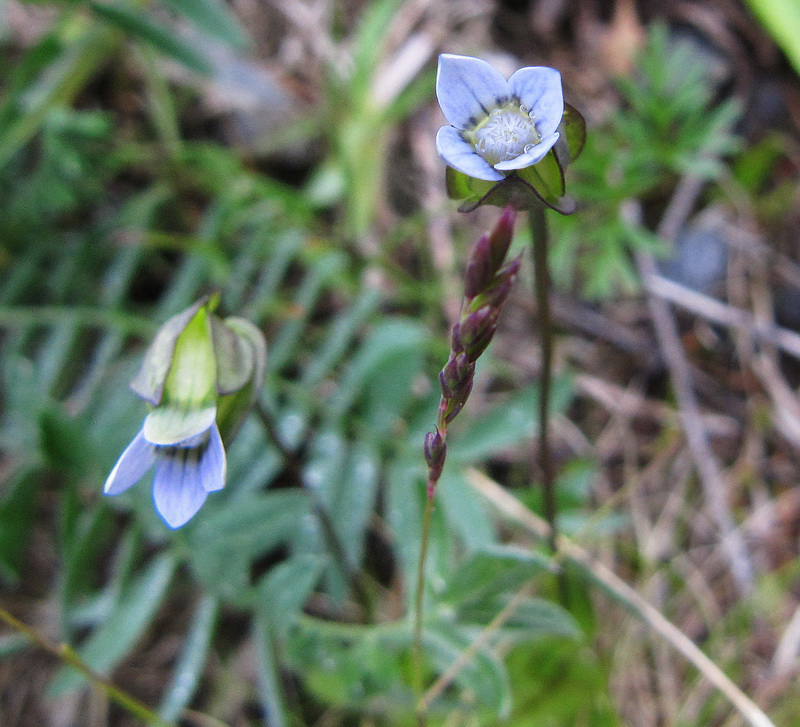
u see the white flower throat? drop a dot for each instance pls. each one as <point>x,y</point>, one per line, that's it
<point>506,133</point>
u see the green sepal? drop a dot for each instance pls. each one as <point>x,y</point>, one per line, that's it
<point>572,138</point>
<point>170,425</point>
<point>517,191</point>
<point>233,408</point>
<point>457,184</point>
<point>234,357</point>
<point>542,183</point>
<point>152,376</point>
<point>547,177</point>
<point>192,379</point>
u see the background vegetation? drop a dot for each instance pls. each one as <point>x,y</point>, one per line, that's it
<point>282,153</point>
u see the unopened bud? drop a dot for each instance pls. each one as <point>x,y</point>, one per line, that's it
<point>453,374</point>
<point>500,237</point>
<point>480,270</point>
<point>474,330</point>
<point>498,292</point>
<point>435,453</point>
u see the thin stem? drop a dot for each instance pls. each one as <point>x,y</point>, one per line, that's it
<point>63,652</point>
<point>419,603</point>
<point>294,466</point>
<point>539,241</point>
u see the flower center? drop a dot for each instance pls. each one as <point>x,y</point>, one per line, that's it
<point>506,133</point>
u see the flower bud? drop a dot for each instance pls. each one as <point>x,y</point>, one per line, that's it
<point>452,376</point>
<point>474,329</point>
<point>435,449</point>
<point>500,237</point>
<point>479,272</point>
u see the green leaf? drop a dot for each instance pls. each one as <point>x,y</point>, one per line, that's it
<point>505,425</point>
<point>532,617</point>
<point>268,675</point>
<point>137,24</point>
<point>17,510</point>
<point>317,277</point>
<point>381,373</point>
<point>464,510</point>
<point>283,591</point>
<point>212,17</point>
<point>458,185</point>
<point>484,676</point>
<point>404,505</point>
<point>189,669</point>
<point>112,641</point>
<point>489,572</point>
<point>228,539</point>
<point>355,501</point>
<point>64,443</point>
<point>340,336</point>
<point>782,19</point>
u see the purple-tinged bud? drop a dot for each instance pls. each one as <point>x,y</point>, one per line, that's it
<point>455,339</point>
<point>454,373</point>
<point>497,293</point>
<point>480,270</point>
<point>474,327</point>
<point>456,404</point>
<point>435,453</point>
<point>500,237</point>
<point>481,343</point>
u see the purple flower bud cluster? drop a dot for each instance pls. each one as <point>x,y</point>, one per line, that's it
<point>487,285</point>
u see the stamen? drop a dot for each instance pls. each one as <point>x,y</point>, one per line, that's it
<point>505,134</point>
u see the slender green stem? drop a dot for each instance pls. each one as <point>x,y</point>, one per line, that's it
<point>419,603</point>
<point>539,241</point>
<point>62,651</point>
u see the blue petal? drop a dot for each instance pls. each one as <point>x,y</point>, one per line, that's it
<point>534,156</point>
<point>137,458</point>
<point>539,88</point>
<point>460,155</point>
<point>468,89</point>
<point>178,489</point>
<point>212,462</point>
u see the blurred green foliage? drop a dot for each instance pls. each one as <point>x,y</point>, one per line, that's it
<point>665,127</point>
<point>110,224</point>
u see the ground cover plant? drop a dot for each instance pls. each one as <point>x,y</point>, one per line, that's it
<point>395,477</point>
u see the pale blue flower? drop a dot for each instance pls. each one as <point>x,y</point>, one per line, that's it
<point>498,126</point>
<point>186,471</point>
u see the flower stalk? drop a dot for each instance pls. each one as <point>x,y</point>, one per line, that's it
<point>539,243</point>
<point>488,282</point>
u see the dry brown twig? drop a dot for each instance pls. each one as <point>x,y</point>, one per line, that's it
<point>507,505</point>
<point>708,468</point>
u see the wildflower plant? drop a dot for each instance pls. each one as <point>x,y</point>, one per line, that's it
<point>201,374</point>
<point>508,143</point>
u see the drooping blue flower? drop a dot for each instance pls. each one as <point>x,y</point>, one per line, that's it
<point>200,375</point>
<point>185,473</point>
<point>498,126</point>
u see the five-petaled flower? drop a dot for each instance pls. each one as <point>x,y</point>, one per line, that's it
<point>200,374</point>
<point>498,126</point>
